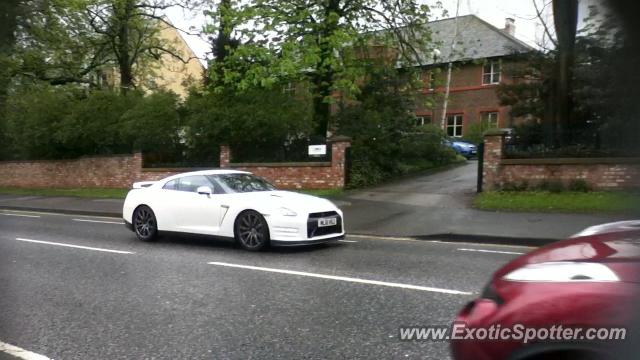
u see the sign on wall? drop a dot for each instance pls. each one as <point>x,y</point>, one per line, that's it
<point>317,150</point>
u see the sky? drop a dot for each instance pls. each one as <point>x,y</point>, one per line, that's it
<point>528,26</point>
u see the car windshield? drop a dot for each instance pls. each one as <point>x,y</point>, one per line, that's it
<point>241,183</point>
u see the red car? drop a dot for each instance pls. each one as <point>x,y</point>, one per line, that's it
<point>573,299</point>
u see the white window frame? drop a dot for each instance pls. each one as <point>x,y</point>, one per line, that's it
<point>495,70</point>
<point>421,120</point>
<point>456,126</point>
<point>290,88</point>
<point>431,81</point>
<point>492,118</point>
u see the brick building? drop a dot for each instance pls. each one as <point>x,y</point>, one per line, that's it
<point>480,55</point>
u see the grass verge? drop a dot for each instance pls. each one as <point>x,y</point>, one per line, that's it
<point>322,192</point>
<point>572,202</point>
<point>104,193</point>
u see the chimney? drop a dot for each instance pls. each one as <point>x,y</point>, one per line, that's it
<point>510,26</point>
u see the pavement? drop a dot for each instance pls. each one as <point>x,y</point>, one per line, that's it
<point>79,287</point>
<point>429,206</point>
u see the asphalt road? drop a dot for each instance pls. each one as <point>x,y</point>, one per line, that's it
<point>113,297</point>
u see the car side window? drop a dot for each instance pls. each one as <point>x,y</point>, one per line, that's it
<point>192,183</point>
<point>172,185</point>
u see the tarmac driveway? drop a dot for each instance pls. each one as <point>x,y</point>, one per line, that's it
<point>453,188</point>
<point>438,205</point>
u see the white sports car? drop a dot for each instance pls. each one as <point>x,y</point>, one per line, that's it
<point>232,204</point>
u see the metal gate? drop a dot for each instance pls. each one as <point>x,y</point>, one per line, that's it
<point>480,165</point>
<point>347,165</point>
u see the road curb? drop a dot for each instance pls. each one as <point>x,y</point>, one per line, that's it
<point>63,211</point>
<point>472,238</point>
<point>450,237</point>
<point>489,239</point>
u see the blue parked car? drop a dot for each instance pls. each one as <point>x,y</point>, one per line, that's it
<point>463,148</point>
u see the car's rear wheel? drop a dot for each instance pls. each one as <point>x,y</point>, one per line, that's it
<point>145,224</point>
<point>251,231</point>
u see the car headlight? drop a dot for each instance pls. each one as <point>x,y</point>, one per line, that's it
<point>287,212</point>
<point>563,271</point>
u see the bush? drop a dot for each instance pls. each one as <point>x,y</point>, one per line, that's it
<point>94,124</point>
<point>46,122</point>
<point>475,132</point>
<point>522,186</point>
<point>153,125</point>
<point>579,185</point>
<point>32,116</point>
<point>553,186</point>
<point>257,124</point>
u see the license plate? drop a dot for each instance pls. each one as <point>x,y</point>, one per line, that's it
<point>327,222</point>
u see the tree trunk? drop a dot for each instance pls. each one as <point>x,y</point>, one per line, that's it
<point>322,108</point>
<point>9,10</point>
<point>565,17</point>
<point>124,14</point>
<point>324,77</point>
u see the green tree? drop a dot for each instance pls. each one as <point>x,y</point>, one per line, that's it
<point>130,29</point>
<point>603,115</point>
<point>223,42</point>
<point>258,124</point>
<point>9,14</point>
<point>94,124</point>
<point>153,124</point>
<point>381,123</point>
<point>33,115</point>
<point>321,43</point>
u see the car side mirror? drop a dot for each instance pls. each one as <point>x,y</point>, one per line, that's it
<point>205,190</point>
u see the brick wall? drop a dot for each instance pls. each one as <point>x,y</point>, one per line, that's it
<point>117,171</point>
<point>599,173</point>
<point>121,171</point>
<point>307,175</point>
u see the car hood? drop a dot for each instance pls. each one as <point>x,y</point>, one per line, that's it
<point>618,247</point>
<point>270,200</point>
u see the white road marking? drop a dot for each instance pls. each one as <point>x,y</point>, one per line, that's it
<point>20,353</point>
<point>348,241</point>
<point>99,221</point>
<point>74,246</point>
<point>382,237</point>
<point>21,215</point>
<point>493,251</point>
<point>343,278</point>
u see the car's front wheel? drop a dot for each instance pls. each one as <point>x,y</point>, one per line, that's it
<point>145,224</point>
<point>251,231</point>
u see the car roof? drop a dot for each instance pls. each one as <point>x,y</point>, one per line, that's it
<point>205,172</point>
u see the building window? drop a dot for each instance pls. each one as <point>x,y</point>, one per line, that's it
<point>431,80</point>
<point>491,72</point>
<point>489,119</point>
<point>289,88</point>
<point>454,125</point>
<point>423,120</point>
